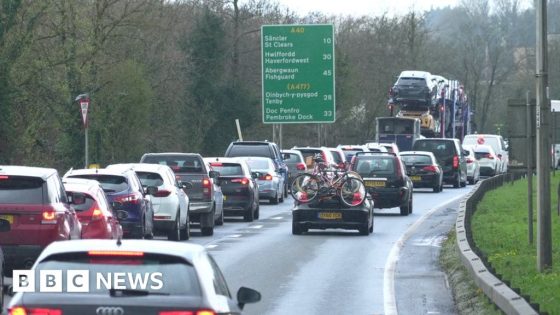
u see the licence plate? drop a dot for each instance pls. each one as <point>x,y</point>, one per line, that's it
<point>9,218</point>
<point>415,178</point>
<point>330,215</point>
<point>374,183</point>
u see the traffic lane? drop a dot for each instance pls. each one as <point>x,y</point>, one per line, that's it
<point>332,271</point>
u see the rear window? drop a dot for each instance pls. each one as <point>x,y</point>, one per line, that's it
<point>89,201</point>
<point>368,165</point>
<point>177,277</point>
<point>228,169</point>
<point>250,150</point>
<point>291,157</point>
<point>178,163</point>
<point>258,165</point>
<point>109,183</point>
<point>491,141</point>
<point>21,190</point>
<point>150,179</point>
<point>412,81</point>
<point>416,159</point>
<point>438,148</point>
<point>337,157</point>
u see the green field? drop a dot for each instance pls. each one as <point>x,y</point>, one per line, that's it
<point>500,230</point>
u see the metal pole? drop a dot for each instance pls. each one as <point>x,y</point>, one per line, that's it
<point>553,142</point>
<point>319,135</point>
<point>239,135</point>
<point>529,169</point>
<point>454,109</point>
<point>544,228</point>
<point>442,120</point>
<point>87,151</point>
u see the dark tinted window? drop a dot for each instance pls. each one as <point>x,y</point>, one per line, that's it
<point>150,179</point>
<point>109,183</point>
<point>396,126</point>
<point>416,159</point>
<point>21,189</point>
<point>378,165</point>
<point>259,165</point>
<point>440,149</point>
<point>337,157</point>
<point>250,150</point>
<point>228,169</point>
<point>292,157</point>
<point>177,277</point>
<point>178,163</point>
<point>86,205</point>
<point>412,81</point>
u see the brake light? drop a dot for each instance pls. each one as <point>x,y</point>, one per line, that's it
<point>4,177</point>
<point>133,198</point>
<point>455,161</point>
<point>300,167</point>
<point>115,253</point>
<point>216,164</point>
<point>266,177</point>
<point>489,156</point>
<point>48,217</point>
<point>162,193</point>
<point>399,171</point>
<point>34,311</point>
<point>97,214</point>
<point>430,168</point>
<point>199,312</point>
<point>207,188</point>
<point>243,181</point>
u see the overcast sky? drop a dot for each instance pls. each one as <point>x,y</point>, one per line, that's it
<point>364,7</point>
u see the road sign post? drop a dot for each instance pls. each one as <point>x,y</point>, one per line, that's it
<point>83,101</point>
<point>298,74</point>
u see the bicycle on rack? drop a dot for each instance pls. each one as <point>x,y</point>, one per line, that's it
<point>325,182</point>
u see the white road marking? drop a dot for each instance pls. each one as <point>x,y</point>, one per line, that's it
<point>277,218</point>
<point>211,246</point>
<point>389,299</point>
<point>234,236</point>
<point>256,226</point>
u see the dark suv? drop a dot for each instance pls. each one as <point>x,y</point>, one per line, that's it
<point>124,191</point>
<point>413,87</point>
<point>385,179</point>
<point>34,212</point>
<point>263,149</point>
<point>450,157</point>
<point>206,205</point>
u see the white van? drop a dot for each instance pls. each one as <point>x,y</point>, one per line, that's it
<point>496,142</point>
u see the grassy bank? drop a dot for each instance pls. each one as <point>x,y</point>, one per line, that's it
<point>500,231</point>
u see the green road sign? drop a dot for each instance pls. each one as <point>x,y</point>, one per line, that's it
<point>298,74</point>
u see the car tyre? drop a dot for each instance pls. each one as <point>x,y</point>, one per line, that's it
<point>249,215</point>
<point>186,231</point>
<point>3,291</point>
<point>207,230</point>
<point>471,181</point>
<point>297,229</point>
<point>371,227</point>
<point>208,219</point>
<point>220,220</point>
<point>275,199</point>
<point>175,233</point>
<point>282,194</point>
<point>257,212</point>
<point>286,191</point>
<point>457,183</point>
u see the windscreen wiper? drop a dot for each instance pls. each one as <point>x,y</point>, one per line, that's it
<point>132,292</point>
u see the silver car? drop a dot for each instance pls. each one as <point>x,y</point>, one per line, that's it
<point>473,167</point>
<point>296,163</point>
<point>271,182</point>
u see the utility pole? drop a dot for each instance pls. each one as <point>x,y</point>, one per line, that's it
<point>529,169</point>
<point>544,227</point>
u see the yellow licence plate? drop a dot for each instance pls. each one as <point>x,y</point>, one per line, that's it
<point>415,178</point>
<point>9,218</point>
<point>330,215</point>
<point>374,183</point>
<point>225,197</point>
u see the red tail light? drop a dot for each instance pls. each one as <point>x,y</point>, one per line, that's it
<point>4,177</point>
<point>207,188</point>
<point>97,214</point>
<point>469,160</point>
<point>455,161</point>
<point>399,170</point>
<point>48,216</point>
<point>266,177</point>
<point>162,193</point>
<point>133,198</point>
<point>243,181</point>
<point>300,167</point>
<point>115,253</point>
<point>199,312</point>
<point>430,168</point>
<point>34,311</point>
<point>489,156</point>
<point>216,164</point>
<point>324,156</point>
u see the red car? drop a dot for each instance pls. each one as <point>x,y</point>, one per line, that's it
<point>34,212</point>
<point>94,211</point>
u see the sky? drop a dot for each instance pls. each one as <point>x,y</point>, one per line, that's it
<point>365,7</point>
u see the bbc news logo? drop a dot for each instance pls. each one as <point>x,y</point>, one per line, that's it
<point>80,281</point>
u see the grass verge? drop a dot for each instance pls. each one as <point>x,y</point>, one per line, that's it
<point>500,230</point>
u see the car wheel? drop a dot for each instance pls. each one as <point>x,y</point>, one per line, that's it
<point>207,231</point>
<point>186,231</point>
<point>147,235</point>
<point>436,188</point>
<point>296,228</point>
<point>220,220</point>
<point>457,183</point>
<point>286,191</point>
<point>364,230</point>
<point>410,205</point>
<point>371,227</point>
<point>2,292</point>
<point>282,195</point>
<point>275,200</point>
<point>404,210</point>
<point>471,181</point>
<point>175,233</point>
<point>248,216</point>
<point>257,212</point>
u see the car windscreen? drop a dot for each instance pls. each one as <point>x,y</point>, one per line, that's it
<point>416,159</point>
<point>378,165</point>
<point>21,190</point>
<point>109,183</point>
<point>250,150</point>
<point>158,274</point>
<point>259,165</point>
<point>178,163</point>
<point>150,179</point>
<point>228,169</point>
<point>411,81</point>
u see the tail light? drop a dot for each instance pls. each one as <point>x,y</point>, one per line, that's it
<point>207,188</point>
<point>430,168</point>
<point>489,156</point>
<point>132,198</point>
<point>34,311</point>
<point>162,193</point>
<point>300,167</point>
<point>48,216</point>
<point>199,312</point>
<point>399,170</point>
<point>469,160</point>
<point>97,214</point>
<point>4,177</point>
<point>455,161</point>
<point>266,177</point>
<point>243,181</point>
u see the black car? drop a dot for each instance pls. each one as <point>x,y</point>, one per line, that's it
<point>423,170</point>
<point>205,195</point>
<point>1,276</point>
<point>385,179</point>
<point>131,202</point>
<point>239,186</point>
<point>132,277</point>
<point>413,87</point>
<point>450,157</point>
<point>262,149</point>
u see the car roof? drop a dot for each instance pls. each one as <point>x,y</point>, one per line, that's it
<point>415,73</point>
<point>178,249</point>
<point>142,167</point>
<point>81,184</point>
<point>482,135</point>
<point>30,171</point>
<point>253,142</point>
<point>291,151</point>
<point>223,159</point>
<point>417,153</point>
<point>102,171</point>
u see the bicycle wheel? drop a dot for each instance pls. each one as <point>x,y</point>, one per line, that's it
<point>352,192</point>
<point>305,187</point>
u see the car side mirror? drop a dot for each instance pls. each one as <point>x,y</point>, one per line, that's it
<point>151,190</point>
<point>247,295</point>
<point>76,198</point>
<point>214,174</point>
